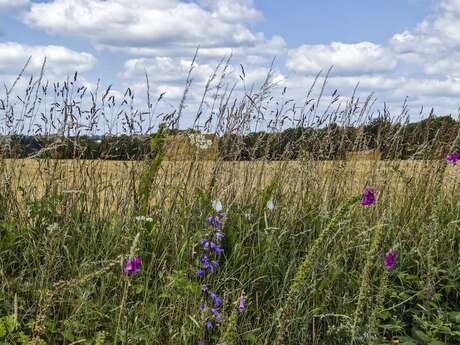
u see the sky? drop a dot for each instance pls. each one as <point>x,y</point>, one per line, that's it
<point>395,49</point>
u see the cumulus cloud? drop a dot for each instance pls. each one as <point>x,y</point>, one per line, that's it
<point>347,59</point>
<point>435,43</point>
<point>141,26</point>
<point>60,60</point>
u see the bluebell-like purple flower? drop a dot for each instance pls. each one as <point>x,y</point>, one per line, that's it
<point>215,313</point>
<point>199,273</point>
<point>219,235</point>
<point>206,244</point>
<point>217,301</point>
<point>209,325</point>
<point>215,222</point>
<point>201,342</point>
<point>217,249</point>
<point>241,305</point>
<point>204,287</point>
<point>202,306</point>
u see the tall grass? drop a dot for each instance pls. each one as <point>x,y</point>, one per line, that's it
<point>311,267</point>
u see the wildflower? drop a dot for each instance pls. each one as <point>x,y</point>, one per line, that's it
<point>202,306</point>
<point>52,227</point>
<point>199,273</point>
<point>204,287</point>
<point>143,219</point>
<point>270,205</point>
<point>215,313</point>
<point>241,305</point>
<point>217,205</point>
<point>217,301</point>
<point>201,342</point>
<point>390,260</point>
<point>209,325</point>
<point>133,265</point>
<point>217,249</point>
<point>368,197</point>
<point>453,158</point>
<point>206,244</point>
<point>215,222</point>
<point>219,235</point>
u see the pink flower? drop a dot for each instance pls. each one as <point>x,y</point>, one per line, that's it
<point>453,158</point>
<point>368,197</point>
<point>390,260</point>
<point>241,305</point>
<point>133,265</point>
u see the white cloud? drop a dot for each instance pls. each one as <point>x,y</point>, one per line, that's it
<point>164,69</point>
<point>60,60</point>
<point>143,26</point>
<point>347,59</point>
<point>435,43</point>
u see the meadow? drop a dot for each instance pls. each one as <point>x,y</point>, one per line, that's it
<point>156,251</point>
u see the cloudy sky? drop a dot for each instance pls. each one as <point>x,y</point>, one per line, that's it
<point>395,48</point>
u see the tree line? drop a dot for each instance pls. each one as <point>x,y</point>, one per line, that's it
<point>430,138</point>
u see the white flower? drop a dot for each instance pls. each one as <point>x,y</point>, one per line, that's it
<point>200,141</point>
<point>52,227</point>
<point>143,219</point>
<point>270,205</point>
<point>217,205</point>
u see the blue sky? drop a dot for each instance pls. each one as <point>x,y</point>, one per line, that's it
<point>314,22</point>
<point>393,48</point>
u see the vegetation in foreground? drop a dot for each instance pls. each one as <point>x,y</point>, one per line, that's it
<point>315,256</point>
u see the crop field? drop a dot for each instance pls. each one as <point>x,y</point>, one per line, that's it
<point>266,223</point>
<point>300,260</point>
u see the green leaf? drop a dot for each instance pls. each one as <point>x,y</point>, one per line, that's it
<point>454,316</point>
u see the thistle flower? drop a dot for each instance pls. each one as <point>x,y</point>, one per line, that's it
<point>133,265</point>
<point>390,260</point>
<point>241,305</point>
<point>368,196</point>
<point>453,158</point>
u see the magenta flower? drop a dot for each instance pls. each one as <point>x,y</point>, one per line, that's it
<point>453,158</point>
<point>390,260</point>
<point>241,305</point>
<point>368,197</point>
<point>133,265</point>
